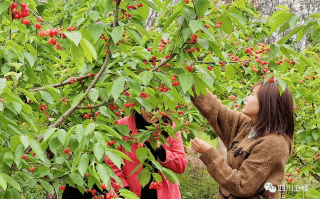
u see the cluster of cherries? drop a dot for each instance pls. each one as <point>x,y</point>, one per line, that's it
<point>271,80</point>
<point>162,89</point>
<point>72,80</point>
<point>194,39</point>
<point>111,143</point>
<point>62,188</point>
<point>68,151</point>
<point>144,95</point>
<point>140,145</point>
<point>112,107</point>
<point>64,100</point>
<point>20,14</point>
<point>43,107</point>
<point>87,116</point>
<point>31,169</point>
<point>218,24</point>
<point>155,185</point>
<point>180,112</point>
<point>156,135</point>
<point>129,105</point>
<point>127,93</point>
<point>124,14</point>
<point>232,98</point>
<point>163,45</point>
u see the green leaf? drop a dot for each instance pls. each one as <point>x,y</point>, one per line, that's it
<point>47,97</point>
<point>239,19</point>
<point>83,164</point>
<point>94,15</point>
<point>55,92</point>
<point>4,5</point>
<point>201,6</point>
<point>61,134</point>
<point>77,98</point>
<point>74,36</point>
<point>117,33</point>
<point>89,50</point>
<point>90,128</point>
<point>36,147</point>
<point>280,19</point>
<point>3,83</point>
<point>108,7</point>
<point>47,186</point>
<point>195,25</point>
<point>164,79</point>
<point>157,177</point>
<point>313,193</point>
<point>117,87</point>
<point>3,182</point>
<point>274,50</point>
<point>146,77</point>
<point>103,172</point>
<point>79,132</point>
<point>11,181</point>
<point>216,50</point>
<point>171,176</point>
<point>186,81</point>
<point>8,158</point>
<point>227,23</point>
<point>282,85</point>
<point>94,94</point>
<point>77,54</point>
<point>177,11</point>
<point>189,14</point>
<point>114,158</point>
<point>30,59</point>
<point>25,140</point>
<point>144,176</point>
<point>128,194</point>
<point>12,97</point>
<point>77,179</point>
<point>314,15</point>
<point>153,6</point>
<point>110,130</point>
<point>135,35</point>
<point>98,151</point>
<point>54,144</point>
<point>18,154</point>
<point>96,30</point>
<point>229,72</point>
<point>307,61</point>
<point>48,134</point>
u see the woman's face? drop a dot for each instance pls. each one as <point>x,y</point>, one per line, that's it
<point>251,105</point>
<point>148,116</point>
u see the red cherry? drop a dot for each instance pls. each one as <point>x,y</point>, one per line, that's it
<point>14,5</point>
<point>38,26</point>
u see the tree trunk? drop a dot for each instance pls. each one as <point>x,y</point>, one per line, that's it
<point>302,8</point>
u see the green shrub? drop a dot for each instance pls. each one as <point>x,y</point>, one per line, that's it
<point>197,184</point>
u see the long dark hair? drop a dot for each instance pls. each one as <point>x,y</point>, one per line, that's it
<point>276,113</point>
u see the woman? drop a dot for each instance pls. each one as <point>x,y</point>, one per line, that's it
<point>172,157</point>
<point>258,140</point>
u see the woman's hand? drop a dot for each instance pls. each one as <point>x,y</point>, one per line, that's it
<point>200,146</point>
<point>158,144</point>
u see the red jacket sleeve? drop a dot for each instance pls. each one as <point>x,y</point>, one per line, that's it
<point>115,169</point>
<point>176,158</point>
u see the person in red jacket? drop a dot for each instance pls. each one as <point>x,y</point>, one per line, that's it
<point>171,156</point>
